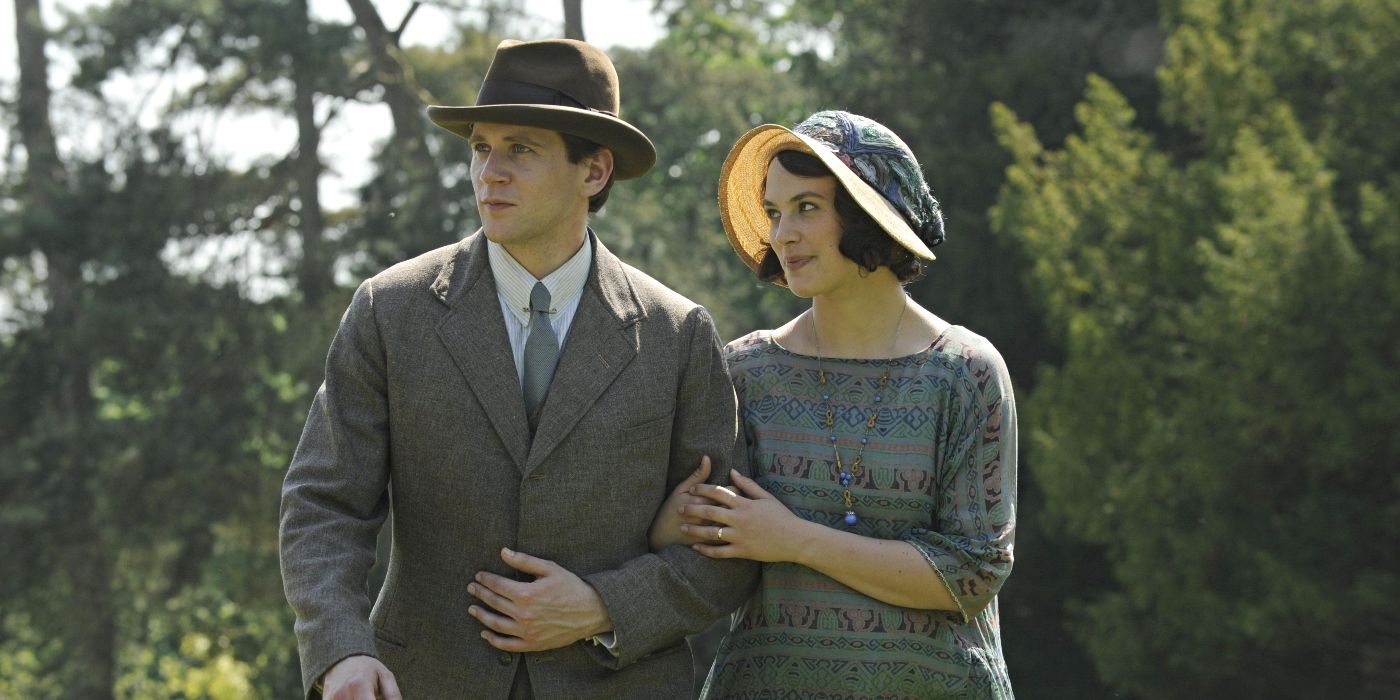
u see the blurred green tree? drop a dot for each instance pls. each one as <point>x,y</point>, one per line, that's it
<point>151,387</point>
<point>1222,422</point>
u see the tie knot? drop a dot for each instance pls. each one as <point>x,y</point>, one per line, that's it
<point>539,298</point>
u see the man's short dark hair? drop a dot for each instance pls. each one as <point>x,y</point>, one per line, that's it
<point>577,148</point>
<point>862,240</point>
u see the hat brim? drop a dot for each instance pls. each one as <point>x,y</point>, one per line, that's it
<point>741,182</point>
<point>633,153</point>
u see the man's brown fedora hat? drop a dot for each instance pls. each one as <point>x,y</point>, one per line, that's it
<point>558,84</point>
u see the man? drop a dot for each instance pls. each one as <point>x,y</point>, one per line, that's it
<point>522,402</point>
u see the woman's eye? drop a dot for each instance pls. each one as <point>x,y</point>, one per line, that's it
<point>806,207</point>
<point>772,214</point>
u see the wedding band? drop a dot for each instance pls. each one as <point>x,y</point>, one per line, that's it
<point>720,535</point>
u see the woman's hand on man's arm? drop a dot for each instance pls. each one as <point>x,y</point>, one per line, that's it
<point>666,528</point>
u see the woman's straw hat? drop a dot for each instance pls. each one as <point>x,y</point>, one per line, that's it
<point>874,166</point>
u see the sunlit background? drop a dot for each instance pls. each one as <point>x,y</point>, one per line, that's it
<point>1179,221</point>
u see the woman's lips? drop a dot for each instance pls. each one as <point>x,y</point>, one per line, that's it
<point>796,262</point>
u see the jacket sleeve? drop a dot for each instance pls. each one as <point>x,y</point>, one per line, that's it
<point>335,499</point>
<point>971,548</point>
<point>655,600</point>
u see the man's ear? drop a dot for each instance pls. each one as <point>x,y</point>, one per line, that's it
<point>600,170</point>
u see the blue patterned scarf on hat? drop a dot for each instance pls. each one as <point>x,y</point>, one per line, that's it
<point>881,159</point>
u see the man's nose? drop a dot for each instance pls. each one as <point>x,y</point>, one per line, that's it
<point>492,168</point>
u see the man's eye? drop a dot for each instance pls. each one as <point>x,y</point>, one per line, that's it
<point>520,148</point>
<point>480,148</point>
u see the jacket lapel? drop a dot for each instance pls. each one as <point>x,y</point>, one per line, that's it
<point>474,333</point>
<point>602,341</point>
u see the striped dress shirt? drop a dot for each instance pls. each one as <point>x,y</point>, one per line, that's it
<point>513,286</point>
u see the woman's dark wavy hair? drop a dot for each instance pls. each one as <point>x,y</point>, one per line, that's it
<point>862,240</point>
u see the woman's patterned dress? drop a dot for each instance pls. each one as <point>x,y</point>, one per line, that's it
<point>939,473</point>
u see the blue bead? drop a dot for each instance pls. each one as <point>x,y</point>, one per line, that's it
<point>845,478</point>
<point>864,440</point>
<point>851,518</point>
<point>878,399</point>
<point>833,438</point>
<point>826,397</point>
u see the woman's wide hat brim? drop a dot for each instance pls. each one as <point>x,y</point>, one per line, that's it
<point>741,183</point>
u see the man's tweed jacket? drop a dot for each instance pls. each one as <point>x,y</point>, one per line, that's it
<point>421,413</point>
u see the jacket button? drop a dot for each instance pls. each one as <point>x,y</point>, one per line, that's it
<point>506,659</point>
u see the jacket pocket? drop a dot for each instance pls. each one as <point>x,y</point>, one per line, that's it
<point>393,653</point>
<point>646,432</point>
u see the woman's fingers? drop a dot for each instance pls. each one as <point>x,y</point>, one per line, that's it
<point>713,534</point>
<point>698,476</point>
<point>697,534</point>
<point>716,551</point>
<point>686,499</point>
<point>743,487</point>
<point>665,529</point>
<point>717,515</point>
<point>722,495</point>
<point>748,486</point>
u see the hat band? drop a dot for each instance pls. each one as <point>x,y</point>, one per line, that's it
<point>496,91</point>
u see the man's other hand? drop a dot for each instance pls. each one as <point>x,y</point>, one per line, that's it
<point>360,678</point>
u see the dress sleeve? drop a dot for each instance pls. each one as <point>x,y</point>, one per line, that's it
<point>975,481</point>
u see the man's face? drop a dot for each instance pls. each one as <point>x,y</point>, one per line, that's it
<point>529,196</point>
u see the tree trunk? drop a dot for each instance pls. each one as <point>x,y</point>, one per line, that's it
<point>409,138</point>
<point>91,663</point>
<point>314,272</point>
<point>86,564</point>
<point>404,106</point>
<point>44,172</point>
<point>573,19</point>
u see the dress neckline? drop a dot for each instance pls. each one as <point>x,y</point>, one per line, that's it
<point>768,335</point>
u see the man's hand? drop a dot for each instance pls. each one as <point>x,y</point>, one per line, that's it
<point>554,610</point>
<point>360,678</point>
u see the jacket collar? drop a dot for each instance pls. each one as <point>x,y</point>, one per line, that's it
<point>602,341</point>
<point>470,265</point>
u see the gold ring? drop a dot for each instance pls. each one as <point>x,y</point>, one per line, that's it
<point>720,535</point>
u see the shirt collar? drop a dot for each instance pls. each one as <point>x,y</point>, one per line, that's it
<point>514,283</point>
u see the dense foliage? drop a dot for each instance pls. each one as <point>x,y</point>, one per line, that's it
<point>1179,221</point>
<point>1223,420</point>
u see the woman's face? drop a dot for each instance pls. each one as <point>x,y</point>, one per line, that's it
<point>805,232</point>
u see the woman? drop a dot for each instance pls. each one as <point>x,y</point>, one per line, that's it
<point>882,438</point>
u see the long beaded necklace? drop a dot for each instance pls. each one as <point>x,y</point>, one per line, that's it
<point>844,476</point>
